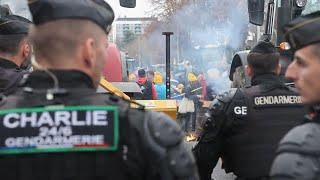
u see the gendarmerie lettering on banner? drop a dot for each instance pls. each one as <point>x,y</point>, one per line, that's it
<point>277,100</point>
<point>78,128</point>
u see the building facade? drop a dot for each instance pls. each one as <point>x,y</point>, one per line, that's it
<point>134,26</point>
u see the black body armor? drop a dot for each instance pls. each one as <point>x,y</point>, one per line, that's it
<point>150,144</point>
<point>247,124</point>
<point>252,139</point>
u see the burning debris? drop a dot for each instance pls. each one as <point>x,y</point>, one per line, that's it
<point>190,137</point>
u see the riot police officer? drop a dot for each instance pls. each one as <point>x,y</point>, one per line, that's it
<point>298,152</point>
<point>15,51</point>
<point>245,125</point>
<point>61,129</point>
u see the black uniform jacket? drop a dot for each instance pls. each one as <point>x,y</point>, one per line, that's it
<point>245,125</point>
<point>298,151</point>
<point>130,161</point>
<point>10,76</point>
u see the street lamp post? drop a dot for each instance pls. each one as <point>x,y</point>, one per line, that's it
<point>167,34</point>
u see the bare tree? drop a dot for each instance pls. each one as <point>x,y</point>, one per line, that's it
<point>164,9</point>
<point>194,23</point>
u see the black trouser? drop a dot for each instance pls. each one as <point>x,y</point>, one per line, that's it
<point>185,121</point>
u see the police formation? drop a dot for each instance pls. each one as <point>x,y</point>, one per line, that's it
<point>55,126</point>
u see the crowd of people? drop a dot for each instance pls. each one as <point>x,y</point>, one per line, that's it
<point>191,91</point>
<point>55,126</point>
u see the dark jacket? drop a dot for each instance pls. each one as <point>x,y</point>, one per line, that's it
<point>245,126</point>
<point>298,151</point>
<point>133,158</point>
<point>192,90</point>
<point>10,76</point>
<point>147,88</point>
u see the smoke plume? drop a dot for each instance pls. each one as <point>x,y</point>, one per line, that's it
<point>206,33</point>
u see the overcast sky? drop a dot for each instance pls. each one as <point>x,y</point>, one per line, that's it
<point>20,7</point>
<point>139,11</point>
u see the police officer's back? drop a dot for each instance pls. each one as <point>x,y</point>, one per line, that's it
<point>62,129</point>
<point>15,51</point>
<point>245,125</point>
<point>299,151</point>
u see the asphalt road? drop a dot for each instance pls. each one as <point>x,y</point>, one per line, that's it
<point>218,173</point>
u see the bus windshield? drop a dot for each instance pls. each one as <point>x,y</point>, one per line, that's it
<point>311,6</point>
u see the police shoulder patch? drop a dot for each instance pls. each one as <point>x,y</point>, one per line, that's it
<point>59,129</point>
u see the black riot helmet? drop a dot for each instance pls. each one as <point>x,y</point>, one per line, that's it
<point>97,11</point>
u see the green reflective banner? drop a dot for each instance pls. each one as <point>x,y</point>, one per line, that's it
<point>59,129</point>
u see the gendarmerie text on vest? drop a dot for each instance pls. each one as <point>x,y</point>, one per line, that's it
<point>274,100</point>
